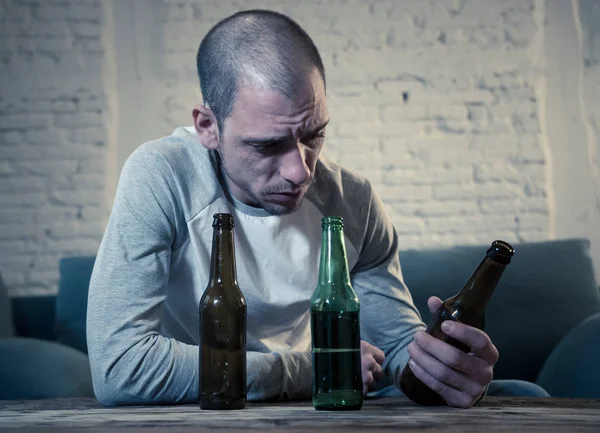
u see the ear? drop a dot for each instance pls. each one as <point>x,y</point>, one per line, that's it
<point>205,124</point>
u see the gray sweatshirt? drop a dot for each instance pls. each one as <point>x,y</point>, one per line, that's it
<point>153,266</point>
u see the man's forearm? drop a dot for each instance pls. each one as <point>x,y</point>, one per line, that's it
<point>279,375</point>
<point>159,370</point>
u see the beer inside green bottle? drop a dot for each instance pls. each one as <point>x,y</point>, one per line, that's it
<point>335,327</point>
<point>222,345</point>
<point>468,307</point>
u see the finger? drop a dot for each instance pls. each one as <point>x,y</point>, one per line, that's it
<point>378,373</point>
<point>433,303</point>
<point>368,348</point>
<point>477,340</point>
<point>369,364</point>
<point>378,355</point>
<point>445,374</point>
<point>452,396</point>
<point>367,381</point>
<point>451,356</point>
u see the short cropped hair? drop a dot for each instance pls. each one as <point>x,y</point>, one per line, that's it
<point>258,47</point>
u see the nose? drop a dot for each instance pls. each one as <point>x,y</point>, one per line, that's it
<point>293,167</point>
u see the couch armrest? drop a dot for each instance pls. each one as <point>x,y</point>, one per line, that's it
<point>573,370</point>
<point>34,369</point>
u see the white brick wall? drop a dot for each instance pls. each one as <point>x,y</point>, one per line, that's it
<point>589,15</point>
<point>52,138</point>
<point>437,102</point>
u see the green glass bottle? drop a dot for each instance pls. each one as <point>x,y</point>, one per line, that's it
<point>335,327</point>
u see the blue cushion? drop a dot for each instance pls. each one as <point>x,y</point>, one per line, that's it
<point>71,301</point>
<point>573,369</point>
<point>34,369</point>
<point>515,388</point>
<point>547,289</point>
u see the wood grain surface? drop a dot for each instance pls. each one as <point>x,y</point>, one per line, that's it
<point>494,414</point>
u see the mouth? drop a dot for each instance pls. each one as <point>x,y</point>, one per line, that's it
<point>286,197</point>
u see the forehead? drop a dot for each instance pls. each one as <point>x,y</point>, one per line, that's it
<point>256,109</point>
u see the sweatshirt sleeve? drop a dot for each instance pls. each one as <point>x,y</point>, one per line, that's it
<point>389,318</point>
<point>131,362</point>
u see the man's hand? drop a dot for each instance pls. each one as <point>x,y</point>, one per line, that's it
<point>460,378</point>
<point>371,360</point>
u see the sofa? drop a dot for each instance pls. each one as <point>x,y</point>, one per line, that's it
<point>544,317</point>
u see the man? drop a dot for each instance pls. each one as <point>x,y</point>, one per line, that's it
<point>254,152</point>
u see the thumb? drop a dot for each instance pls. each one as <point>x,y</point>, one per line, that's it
<point>434,303</point>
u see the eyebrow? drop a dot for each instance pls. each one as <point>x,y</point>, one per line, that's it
<point>266,141</point>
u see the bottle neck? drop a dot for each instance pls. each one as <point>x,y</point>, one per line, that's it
<point>479,288</point>
<point>222,268</point>
<point>333,268</point>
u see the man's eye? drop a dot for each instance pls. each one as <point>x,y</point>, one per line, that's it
<point>313,140</point>
<point>262,147</point>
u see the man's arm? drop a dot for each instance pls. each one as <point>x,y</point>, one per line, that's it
<point>388,316</point>
<point>390,321</point>
<point>131,363</point>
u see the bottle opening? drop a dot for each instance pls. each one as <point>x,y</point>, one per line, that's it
<point>223,220</point>
<point>501,251</point>
<point>335,221</point>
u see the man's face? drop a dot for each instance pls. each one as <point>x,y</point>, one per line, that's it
<point>270,145</point>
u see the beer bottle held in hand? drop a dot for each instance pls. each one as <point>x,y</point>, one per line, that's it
<point>335,328</point>
<point>222,326</point>
<point>468,307</point>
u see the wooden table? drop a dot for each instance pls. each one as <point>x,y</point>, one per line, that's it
<point>494,414</point>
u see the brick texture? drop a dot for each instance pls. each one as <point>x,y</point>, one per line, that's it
<point>435,101</point>
<point>589,16</point>
<point>52,138</point>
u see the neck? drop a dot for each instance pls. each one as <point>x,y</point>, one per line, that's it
<point>478,290</point>
<point>222,269</point>
<point>333,269</point>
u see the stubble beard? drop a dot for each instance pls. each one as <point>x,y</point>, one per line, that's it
<point>271,208</point>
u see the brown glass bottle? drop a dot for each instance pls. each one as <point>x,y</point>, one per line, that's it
<point>468,307</point>
<point>222,379</point>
